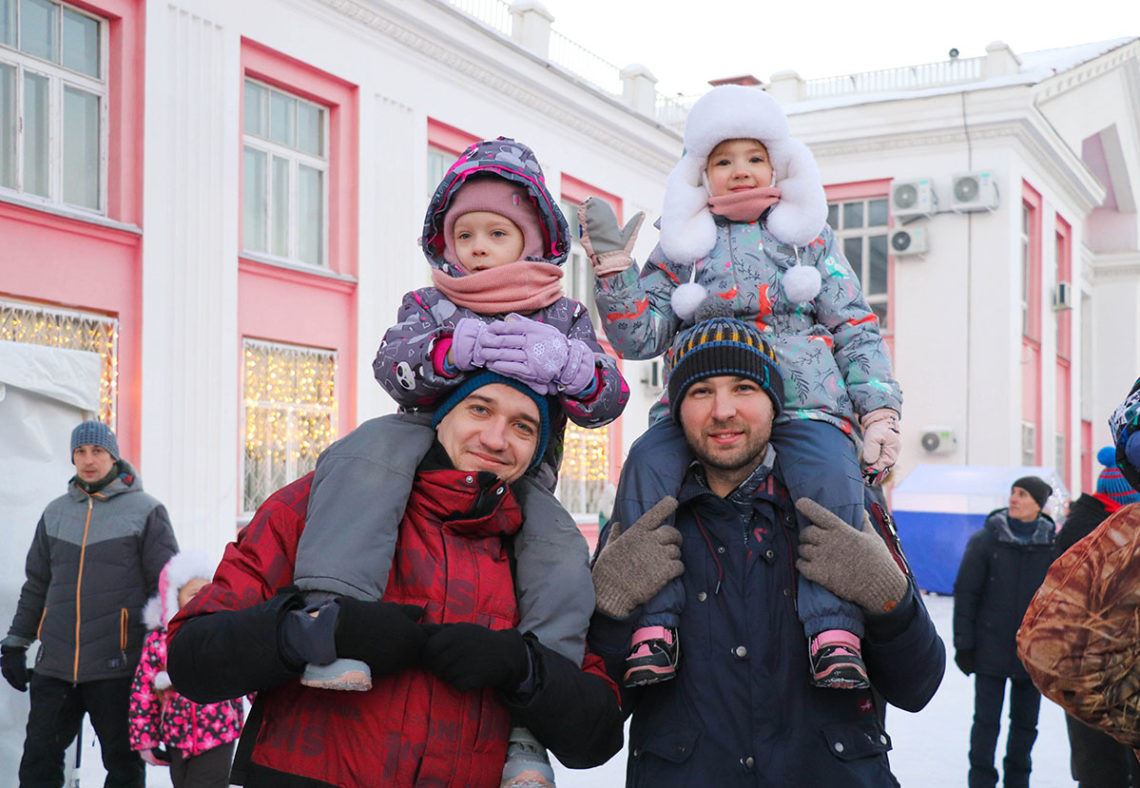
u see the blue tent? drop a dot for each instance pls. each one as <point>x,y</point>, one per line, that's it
<point>938,507</point>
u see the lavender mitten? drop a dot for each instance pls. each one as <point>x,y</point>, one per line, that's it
<point>467,348</point>
<point>531,352</point>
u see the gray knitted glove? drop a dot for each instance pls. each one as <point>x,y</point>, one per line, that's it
<point>608,246</point>
<point>853,565</point>
<point>635,564</point>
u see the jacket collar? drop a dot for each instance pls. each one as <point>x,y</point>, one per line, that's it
<point>127,481</point>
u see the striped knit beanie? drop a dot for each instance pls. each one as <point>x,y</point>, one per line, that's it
<point>1111,482</point>
<point>94,433</point>
<point>475,382</point>
<point>718,344</point>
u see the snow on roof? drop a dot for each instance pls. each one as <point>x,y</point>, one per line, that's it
<point>1035,67</point>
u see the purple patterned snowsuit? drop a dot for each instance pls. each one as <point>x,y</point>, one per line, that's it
<point>347,547</point>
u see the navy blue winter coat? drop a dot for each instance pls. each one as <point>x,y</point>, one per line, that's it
<point>742,711</point>
<point>996,581</point>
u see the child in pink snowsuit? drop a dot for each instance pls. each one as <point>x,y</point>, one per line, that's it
<point>199,739</point>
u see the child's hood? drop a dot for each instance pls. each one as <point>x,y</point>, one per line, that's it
<point>688,231</point>
<point>179,570</point>
<point>507,159</point>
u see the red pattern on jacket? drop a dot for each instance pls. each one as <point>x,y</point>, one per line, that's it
<point>411,727</point>
<point>173,720</point>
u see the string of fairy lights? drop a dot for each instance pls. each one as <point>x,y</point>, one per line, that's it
<point>585,468</point>
<point>290,408</point>
<point>35,325</point>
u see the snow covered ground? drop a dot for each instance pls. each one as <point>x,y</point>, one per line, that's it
<point>929,747</point>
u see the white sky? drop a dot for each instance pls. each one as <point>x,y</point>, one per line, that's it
<point>687,43</point>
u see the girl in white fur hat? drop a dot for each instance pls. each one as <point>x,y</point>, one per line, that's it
<point>745,222</point>
<point>196,740</point>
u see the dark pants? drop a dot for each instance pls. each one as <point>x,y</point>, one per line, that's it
<point>1099,761</point>
<point>57,709</point>
<point>210,769</point>
<point>1024,704</point>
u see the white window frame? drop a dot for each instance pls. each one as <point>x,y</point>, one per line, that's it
<point>290,408</point>
<point>578,276</point>
<point>296,158</point>
<point>1026,211</point>
<point>59,77</point>
<point>865,232</point>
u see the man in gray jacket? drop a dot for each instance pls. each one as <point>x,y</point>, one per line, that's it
<point>95,559</point>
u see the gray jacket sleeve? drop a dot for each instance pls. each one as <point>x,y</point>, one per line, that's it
<point>157,547</point>
<point>37,571</point>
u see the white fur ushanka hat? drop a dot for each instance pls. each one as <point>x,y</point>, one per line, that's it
<point>179,570</point>
<point>728,112</point>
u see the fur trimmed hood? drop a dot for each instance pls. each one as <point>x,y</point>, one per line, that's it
<point>688,231</point>
<point>179,570</point>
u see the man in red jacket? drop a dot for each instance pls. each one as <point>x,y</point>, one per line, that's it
<point>451,669</point>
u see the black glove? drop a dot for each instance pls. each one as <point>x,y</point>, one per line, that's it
<point>14,666</point>
<point>964,659</point>
<point>468,656</point>
<point>383,634</point>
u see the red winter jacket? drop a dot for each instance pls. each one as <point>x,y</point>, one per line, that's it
<point>412,727</point>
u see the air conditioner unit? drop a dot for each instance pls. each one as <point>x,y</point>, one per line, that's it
<point>912,198</point>
<point>1062,297</point>
<point>975,191</point>
<point>939,440</point>
<point>908,240</point>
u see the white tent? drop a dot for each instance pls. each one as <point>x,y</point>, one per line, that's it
<point>44,393</point>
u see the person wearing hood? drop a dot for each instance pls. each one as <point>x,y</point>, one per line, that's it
<point>745,222</point>
<point>1096,759</point>
<point>95,558</point>
<point>1080,638</point>
<point>195,740</point>
<point>496,240</point>
<point>1003,566</point>
<point>452,666</point>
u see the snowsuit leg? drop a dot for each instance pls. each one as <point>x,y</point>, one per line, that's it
<point>53,721</point>
<point>1024,706</point>
<point>552,572</point>
<point>347,546</point>
<point>818,461</point>
<point>989,694</point>
<point>656,467</point>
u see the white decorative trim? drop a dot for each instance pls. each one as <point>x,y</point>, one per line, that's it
<point>65,212</point>
<point>467,61</point>
<point>1067,80</point>
<point>1115,266</point>
<point>1059,164</point>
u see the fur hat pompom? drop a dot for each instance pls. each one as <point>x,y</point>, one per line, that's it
<point>800,215</point>
<point>686,299</point>
<point>802,283</point>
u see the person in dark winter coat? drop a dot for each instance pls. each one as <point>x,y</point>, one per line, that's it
<point>451,668</point>
<point>94,560</point>
<point>742,709</point>
<point>1097,760</point>
<point>1002,568</point>
<point>1080,638</point>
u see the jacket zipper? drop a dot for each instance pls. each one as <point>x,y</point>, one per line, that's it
<point>79,588</point>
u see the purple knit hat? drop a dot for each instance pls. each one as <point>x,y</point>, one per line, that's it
<point>497,195</point>
<point>1111,482</point>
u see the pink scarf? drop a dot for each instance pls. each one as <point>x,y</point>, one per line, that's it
<point>745,206</point>
<point>523,287</point>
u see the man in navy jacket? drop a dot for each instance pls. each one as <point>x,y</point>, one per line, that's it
<point>742,710</point>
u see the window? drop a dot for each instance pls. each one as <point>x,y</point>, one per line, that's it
<point>99,334</point>
<point>578,282</point>
<point>53,103</point>
<point>1025,267</point>
<point>1028,443</point>
<point>289,411</point>
<point>585,470</point>
<point>861,229</point>
<point>285,176</point>
<point>437,163</point>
